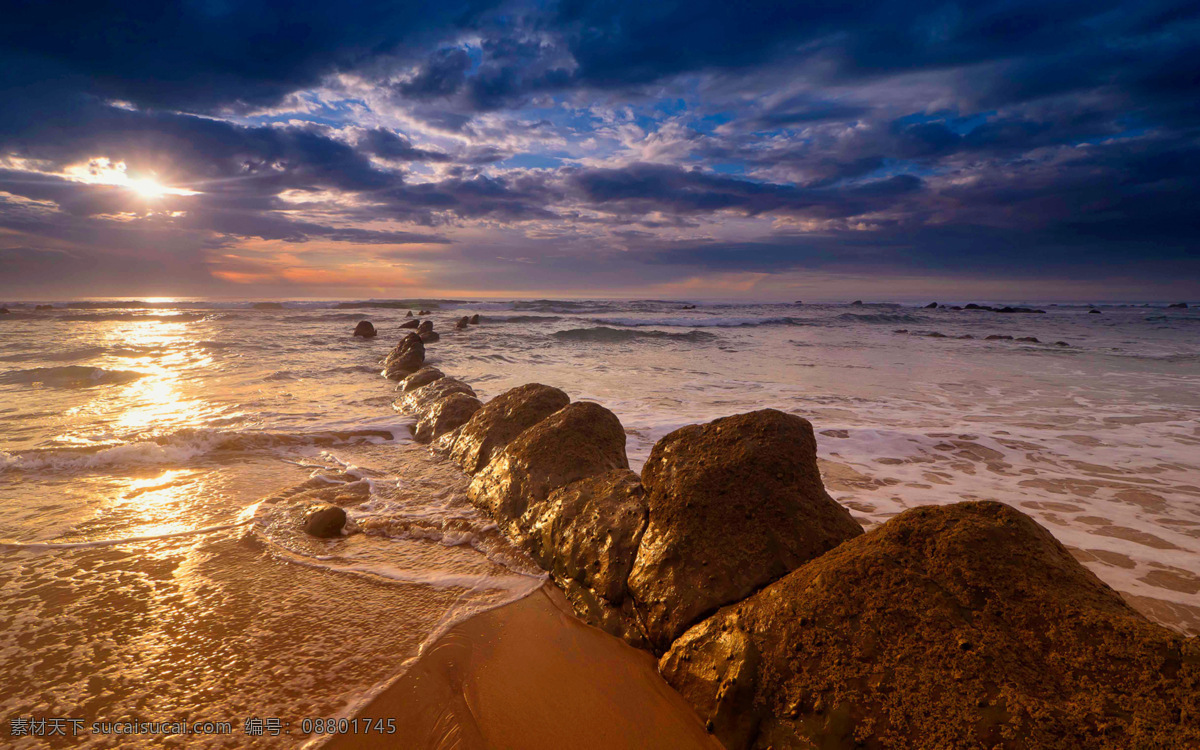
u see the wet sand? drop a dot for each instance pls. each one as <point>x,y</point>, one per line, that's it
<point>531,675</point>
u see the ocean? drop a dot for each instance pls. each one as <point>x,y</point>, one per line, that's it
<point>147,572</point>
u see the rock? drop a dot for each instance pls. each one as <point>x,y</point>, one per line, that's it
<point>462,322</point>
<point>405,358</point>
<point>267,306</point>
<point>325,521</point>
<point>959,626</point>
<point>4,311</point>
<point>931,306</point>
<point>856,303</point>
<point>955,307</point>
<point>589,531</point>
<point>900,330</point>
<point>411,324</point>
<point>998,337</point>
<point>501,420</point>
<point>1016,310</point>
<point>425,326</point>
<point>688,307</point>
<point>408,314</point>
<point>936,335</point>
<point>423,312</point>
<point>430,337</point>
<point>734,504</point>
<point>424,376</point>
<point>475,318</point>
<point>973,306</point>
<point>1030,339</point>
<point>43,307</point>
<point>1178,305</point>
<point>798,302</point>
<point>444,415</point>
<point>1061,343</point>
<point>365,329</point>
<point>580,440</point>
<point>1093,311</point>
<point>418,400</point>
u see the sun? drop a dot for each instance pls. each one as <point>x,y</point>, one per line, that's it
<point>104,171</point>
<point>147,188</point>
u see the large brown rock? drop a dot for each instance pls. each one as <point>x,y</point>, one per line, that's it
<point>964,626</point>
<point>734,504</point>
<point>424,376</point>
<point>365,329</point>
<point>462,322</point>
<point>410,324</point>
<point>406,358</point>
<point>444,415</point>
<point>580,440</point>
<point>425,326</point>
<point>430,337</point>
<point>586,534</point>
<point>501,420</point>
<point>324,520</point>
<point>418,400</point>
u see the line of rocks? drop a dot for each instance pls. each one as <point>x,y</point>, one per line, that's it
<point>777,618</point>
<point>989,337</point>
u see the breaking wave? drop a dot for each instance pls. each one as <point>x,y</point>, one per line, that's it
<point>69,376</point>
<point>703,322</point>
<point>616,336</point>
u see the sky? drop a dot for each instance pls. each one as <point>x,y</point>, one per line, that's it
<point>693,150</point>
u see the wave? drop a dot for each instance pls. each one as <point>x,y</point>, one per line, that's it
<point>703,322</point>
<point>69,376</point>
<point>132,316</point>
<point>85,353</point>
<point>521,318</point>
<point>879,317</point>
<point>617,336</point>
<point>178,447</point>
<point>560,306</point>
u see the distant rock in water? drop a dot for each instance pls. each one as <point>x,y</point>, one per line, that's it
<point>414,324</point>
<point>798,302</point>
<point>998,337</point>
<point>475,318</point>
<point>580,440</point>
<point>325,521</point>
<point>43,307</point>
<point>430,337</point>
<point>1093,311</point>
<point>1030,339</point>
<point>1061,343</point>
<point>425,326</point>
<point>931,306</point>
<point>4,311</point>
<point>408,314</point>
<point>423,312</point>
<point>462,322</point>
<point>960,626</point>
<point>424,376</point>
<point>1179,305</point>
<point>501,420</point>
<point>444,415</point>
<point>856,303</point>
<point>733,505</point>
<point>406,358</point>
<point>365,329</point>
<point>267,306</point>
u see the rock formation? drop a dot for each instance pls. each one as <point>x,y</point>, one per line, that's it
<point>447,413</point>
<point>580,440</point>
<point>430,337</point>
<point>405,358</point>
<point>733,505</point>
<point>500,420</point>
<point>418,400</point>
<point>474,318</point>
<point>425,326</point>
<point>1178,305</point>
<point>410,324</point>
<point>462,322</point>
<point>931,306</point>
<point>364,329</point>
<point>424,376</point>
<point>325,520</point>
<point>951,627</point>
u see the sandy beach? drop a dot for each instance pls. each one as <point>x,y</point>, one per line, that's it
<point>530,675</point>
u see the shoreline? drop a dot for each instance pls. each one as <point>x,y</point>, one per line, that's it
<point>531,674</point>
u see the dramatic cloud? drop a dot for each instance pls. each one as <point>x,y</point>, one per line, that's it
<point>595,147</point>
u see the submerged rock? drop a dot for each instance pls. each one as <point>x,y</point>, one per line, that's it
<point>410,324</point>
<point>733,505</point>
<point>998,337</point>
<point>462,322</point>
<point>475,318</point>
<point>430,337</point>
<point>418,400</point>
<point>960,626</point>
<point>405,358</point>
<point>424,376</point>
<point>856,303</point>
<point>1178,305</point>
<point>580,440</point>
<point>365,329</point>
<point>325,521</point>
<point>1093,311</point>
<point>1030,339</point>
<point>931,306</point>
<point>446,414</point>
<point>501,420</point>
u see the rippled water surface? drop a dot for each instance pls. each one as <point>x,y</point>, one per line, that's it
<point>142,425</point>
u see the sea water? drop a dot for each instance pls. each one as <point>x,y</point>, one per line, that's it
<point>148,571</point>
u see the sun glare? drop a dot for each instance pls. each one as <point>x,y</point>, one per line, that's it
<point>103,171</point>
